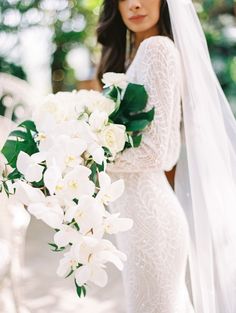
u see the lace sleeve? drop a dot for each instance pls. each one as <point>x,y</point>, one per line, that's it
<point>157,67</point>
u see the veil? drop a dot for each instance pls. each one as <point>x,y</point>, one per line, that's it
<point>205,180</point>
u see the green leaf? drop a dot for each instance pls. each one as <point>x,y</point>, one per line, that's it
<point>12,148</point>
<point>107,152</point>
<point>14,175</point>
<point>84,290</point>
<point>29,125</point>
<point>24,142</point>
<point>137,125</point>
<point>71,272</point>
<point>93,175</point>
<point>149,115</point>
<point>135,98</point>
<point>55,248</point>
<point>80,289</point>
<point>111,92</point>
<point>137,140</point>
<point>19,134</point>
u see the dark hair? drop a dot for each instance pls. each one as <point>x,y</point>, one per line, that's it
<point>112,33</point>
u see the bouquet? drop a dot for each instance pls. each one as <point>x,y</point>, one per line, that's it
<point>55,165</point>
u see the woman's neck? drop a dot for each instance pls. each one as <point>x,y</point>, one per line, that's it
<point>139,37</point>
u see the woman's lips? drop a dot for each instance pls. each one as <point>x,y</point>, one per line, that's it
<point>137,18</point>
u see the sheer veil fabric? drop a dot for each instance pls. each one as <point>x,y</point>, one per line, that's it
<point>205,181</point>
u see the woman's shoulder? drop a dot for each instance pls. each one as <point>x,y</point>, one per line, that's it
<point>158,44</point>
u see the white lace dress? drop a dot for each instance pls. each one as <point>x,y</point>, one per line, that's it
<point>157,245</point>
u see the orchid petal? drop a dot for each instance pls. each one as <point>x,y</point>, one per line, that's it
<point>99,277</point>
<point>117,189</point>
<point>104,180</point>
<point>82,275</point>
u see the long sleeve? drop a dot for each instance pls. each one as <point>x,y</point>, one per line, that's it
<point>157,67</point>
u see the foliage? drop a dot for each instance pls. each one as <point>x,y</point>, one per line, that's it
<point>219,22</point>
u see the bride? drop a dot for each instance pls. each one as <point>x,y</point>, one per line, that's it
<point>188,223</point>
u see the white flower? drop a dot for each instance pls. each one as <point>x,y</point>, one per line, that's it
<point>48,210</point>
<point>75,184</point>
<point>66,235</point>
<point>66,152</point>
<point>88,214</point>
<point>91,272</point>
<point>113,137</point>
<point>93,255</point>
<point>93,267</point>
<point>83,131</point>
<point>52,176</point>
<point>94,100</point>
<point>60,105</point>
<point>115,79</point>
<point>97,152</point>
<point>107,252</point>
<point>69,262</point>
<point>98,120</point>
<point>25,193</point>
<point>29,167</point>
<point>113,224</point>
<point>44,208</point>
<point>109,191</point>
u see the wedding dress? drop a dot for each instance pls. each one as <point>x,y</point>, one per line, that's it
<point>158,244</point>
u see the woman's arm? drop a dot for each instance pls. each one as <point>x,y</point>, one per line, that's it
<point>158,68</point>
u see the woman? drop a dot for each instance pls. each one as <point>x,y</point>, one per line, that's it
<point>164,237</point>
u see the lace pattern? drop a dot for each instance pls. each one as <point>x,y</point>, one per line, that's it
<point>157,245</point>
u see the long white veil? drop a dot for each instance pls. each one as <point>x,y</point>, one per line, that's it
<point>205,181</point>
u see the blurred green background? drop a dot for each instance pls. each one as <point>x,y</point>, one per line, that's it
<point>52,44</point>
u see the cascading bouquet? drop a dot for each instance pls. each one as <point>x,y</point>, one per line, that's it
<point>56,167</point>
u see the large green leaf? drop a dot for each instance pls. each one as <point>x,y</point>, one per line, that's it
<point>137,125</point>
<point>12,148</point>
<point>149,115</point>
<point>23,141</point>
<point>135,98</point>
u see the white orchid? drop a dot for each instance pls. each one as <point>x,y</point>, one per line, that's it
<point>52,176</point>
<point>75,184</point>
<point>88,214</point>
<point>48,210</point>
<point>114,224</point>
<point>69,262</point>
<point>107,252</point>
<point>44,208</point>
<point>29,166</point>
<point>65,235</point>
<point>49,130</point>
<point>93,254</point>
<point>109,191</point>
<point>25,193</point>
<point>66,152</point>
